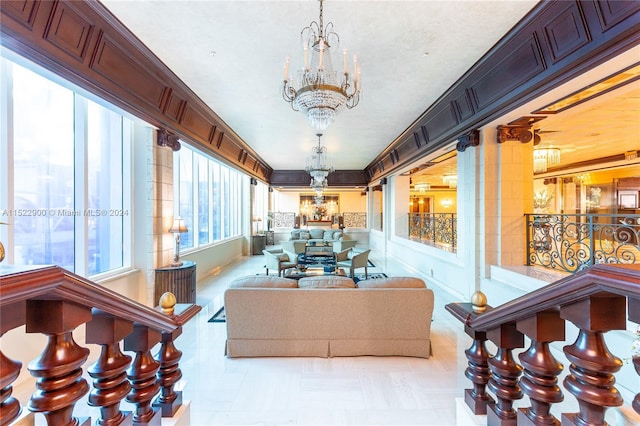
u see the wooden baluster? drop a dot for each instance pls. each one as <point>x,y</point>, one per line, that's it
<point>541,369</point>
<point>11,316</point>
<point>110,385</point>
<point>9,406</point>
<point>634,315</point>
<point>478,372</point>
<point>58,370</point>
<point>142,374</point>
<point>592,365</point>
<point>169,357</point>
<point>504,375</point>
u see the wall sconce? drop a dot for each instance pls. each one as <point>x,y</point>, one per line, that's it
<point>177,228</point>
<point>446,203</point>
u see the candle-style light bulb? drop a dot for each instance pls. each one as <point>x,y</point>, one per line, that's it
<point>306,57</point>
<point>321,53</point>
<point>286,69</point>
<point>344,60</point>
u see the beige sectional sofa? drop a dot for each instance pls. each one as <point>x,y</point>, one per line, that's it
<point>328,316</point>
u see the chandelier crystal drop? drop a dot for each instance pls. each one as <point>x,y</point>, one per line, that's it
<point>317,90</point>
<point>318,168</point>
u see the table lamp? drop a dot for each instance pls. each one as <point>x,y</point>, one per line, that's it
<point>177,227</point>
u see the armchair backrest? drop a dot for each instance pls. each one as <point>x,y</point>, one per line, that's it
<point>360,260</point>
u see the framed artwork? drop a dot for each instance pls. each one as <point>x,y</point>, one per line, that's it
<point>628,199</point>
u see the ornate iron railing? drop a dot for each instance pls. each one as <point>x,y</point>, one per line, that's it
<point>437,229</point>
<point>571,242</point>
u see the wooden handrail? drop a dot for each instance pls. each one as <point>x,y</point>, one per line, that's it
<point>623,280</point>
<point>54,302</point>
<point>595,301</point>
<point>21,283</point>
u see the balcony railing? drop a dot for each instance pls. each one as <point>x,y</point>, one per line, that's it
<point>437,229</point>
<point>571,242</point>
<point>54,302</point>
<point>596,301</point>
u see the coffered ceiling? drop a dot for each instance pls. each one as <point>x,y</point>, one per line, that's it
<point>231,54</point>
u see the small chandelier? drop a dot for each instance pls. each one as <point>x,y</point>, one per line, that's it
<point>317,166</point>
<point>422,186</point>
<point>545,157</point>
<point>317,90</point>
<point>450,179</point>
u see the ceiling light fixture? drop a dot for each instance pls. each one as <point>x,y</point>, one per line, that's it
<point>422,187</point>
<point>545,157</point>
<point>450,179</point>
<point>317,166</point>
<point>317,91</point>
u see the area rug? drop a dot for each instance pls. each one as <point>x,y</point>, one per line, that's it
<point>370,276</point>
<point>323,260</point>
<point>219,316</point>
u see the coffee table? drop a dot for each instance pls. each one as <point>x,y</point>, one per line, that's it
<point>320,250</point>
<point>296,274</point>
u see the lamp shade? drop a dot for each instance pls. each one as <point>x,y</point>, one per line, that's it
<point>178,225</point>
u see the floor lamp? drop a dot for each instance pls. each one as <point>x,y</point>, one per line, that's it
<point>177,228</point>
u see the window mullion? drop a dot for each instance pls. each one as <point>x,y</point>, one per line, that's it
<point>81,186</point>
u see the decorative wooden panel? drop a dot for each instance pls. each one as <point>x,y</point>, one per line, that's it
<point>70,30</point>
<point>516,65</point>
<point>22,12</point>
<point>613,12</point>
<point>555,42</point>
<point>566,32</point>
<point>84,43</point>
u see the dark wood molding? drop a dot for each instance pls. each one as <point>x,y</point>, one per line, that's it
<point>521,134</point>
<point>166,138</point>
<point>555,42</point>
<point>85,44</point>
<point>470,139</point>
<point>301,178</point>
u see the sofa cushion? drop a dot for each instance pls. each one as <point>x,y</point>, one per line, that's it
<point>282,256</point>
<point>305,235</point>
<point>326,281</point>
<point>316,233</point>
<point>328,235</point>
<point>337,235</point>
<point>263,281</point>
<point>295,234</point>
<point>392,282</point>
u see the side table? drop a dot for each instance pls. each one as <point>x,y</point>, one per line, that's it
<point>258,243</point>
<point>179,280</point>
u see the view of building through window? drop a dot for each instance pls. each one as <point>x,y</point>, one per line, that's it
<point>64,201</point>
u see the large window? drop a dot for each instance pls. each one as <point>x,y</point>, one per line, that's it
<point>210,207</point>
<point>67,168</point>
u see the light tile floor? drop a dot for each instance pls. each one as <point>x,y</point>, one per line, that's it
<point>318,391</point>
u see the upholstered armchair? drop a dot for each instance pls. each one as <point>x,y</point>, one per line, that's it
<point>342,245</point>
<point>279,261</point>
<point>292,246</point>
<point>352,260</point>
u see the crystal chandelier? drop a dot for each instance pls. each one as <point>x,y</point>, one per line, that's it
<point>317,167</point>
<point>317,90</point>
<point>545,157</point>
